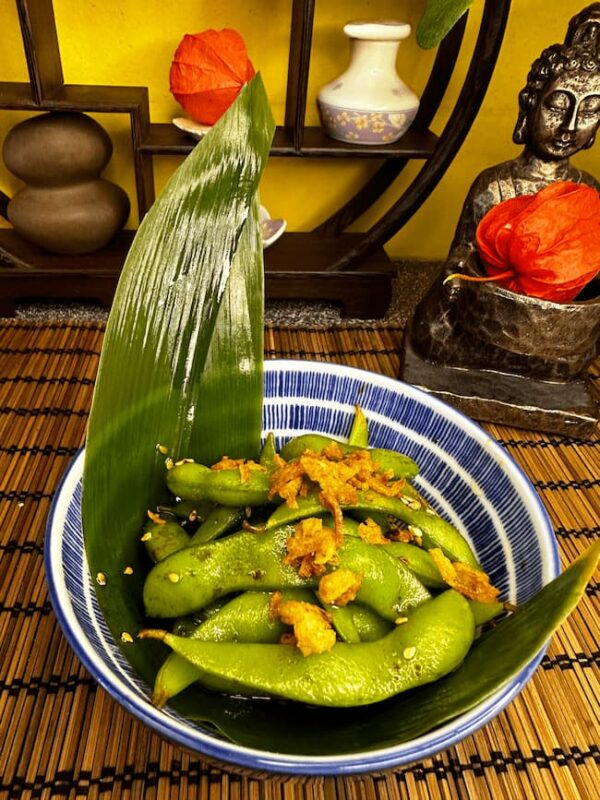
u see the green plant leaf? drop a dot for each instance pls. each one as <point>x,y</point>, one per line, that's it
<point>182,354</point>
<point>439,18</point>
<point>493,660</point>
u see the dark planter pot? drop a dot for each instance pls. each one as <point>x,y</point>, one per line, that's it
<point>555,340</point>
<point>504,357</point>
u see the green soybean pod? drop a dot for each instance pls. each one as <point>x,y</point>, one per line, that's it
<point>359,432</point>
<point>400,465</point>
<point>369,625</point>
<point>418,561</point>
<point>434,530</point>
<point>192,481</point>
<point>246,618</point>
<point>431,644</point>
<point>196,576</point>
<point>218,522</point>
<point>343,622</point>
<point>268,452</point>
<point>161,539</point>
<point>485,612</point>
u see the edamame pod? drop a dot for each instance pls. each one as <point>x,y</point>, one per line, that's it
<point>163,538</point>
<point>193,481</point>
<point>194,577</point>
<point>246,618</point>
<point>219,521</point>
<point>268,452</point>
<point>370,626</point>
<point>400,465</point>
<point>343,622</point>
<point>422,564</point>
<point>243,561</point>
<point>418,561</point>
<point>359,433</point>
<point>431,644</point>
<point>485,612</point>
<point>434,530</point>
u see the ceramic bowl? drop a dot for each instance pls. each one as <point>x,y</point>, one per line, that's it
<point>466,475</point>
<point>191,127</point>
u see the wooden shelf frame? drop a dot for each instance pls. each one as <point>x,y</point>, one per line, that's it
<point>352,258</point>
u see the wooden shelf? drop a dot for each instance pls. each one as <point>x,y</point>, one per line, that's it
<point>166,139</point>
<point>295,269</point>
<point>108,99</point>
<point>327,264</point>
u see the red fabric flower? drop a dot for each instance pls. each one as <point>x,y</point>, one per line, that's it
<point>208,71</point>
<point>545,245</point>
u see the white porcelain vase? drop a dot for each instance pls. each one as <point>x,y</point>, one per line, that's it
<point>369,103</point>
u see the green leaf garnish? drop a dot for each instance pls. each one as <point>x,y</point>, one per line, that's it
<point>493,660</point>
<point>181,364</point>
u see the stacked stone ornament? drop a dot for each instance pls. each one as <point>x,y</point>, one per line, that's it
<point>65,206</point>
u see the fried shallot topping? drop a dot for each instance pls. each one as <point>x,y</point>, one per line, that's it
<point>471,582</point>
<point>337,478</point>
<point>245,466</point>
<point>339,587</point>
<point>311,547</point>
<point>312,626</point>
<point>371,532</point>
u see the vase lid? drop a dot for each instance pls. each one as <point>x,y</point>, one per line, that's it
<point>377,29</point>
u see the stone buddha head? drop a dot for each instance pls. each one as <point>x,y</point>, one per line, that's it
<point>559,107</point>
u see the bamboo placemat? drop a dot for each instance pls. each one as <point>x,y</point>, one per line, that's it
<point>63,736</point>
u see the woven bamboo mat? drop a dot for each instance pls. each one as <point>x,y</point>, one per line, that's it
<point>63,736</point>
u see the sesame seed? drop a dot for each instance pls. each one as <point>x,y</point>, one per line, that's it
<point>127,638</point>
<point>173,577</point>
<point>162,448</point>
<point>146,537</point>
<point>169,463</point>
<point>400,620</point>
<point>416,532</point>
<point>128,570</point>
<point>409,653</point>
<point>101,579</point>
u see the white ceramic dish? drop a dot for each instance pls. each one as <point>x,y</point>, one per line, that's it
<point>191,127</point>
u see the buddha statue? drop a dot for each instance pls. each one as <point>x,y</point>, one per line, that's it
<point>463,332</point>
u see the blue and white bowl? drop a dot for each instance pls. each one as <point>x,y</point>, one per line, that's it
<point>467,476</point>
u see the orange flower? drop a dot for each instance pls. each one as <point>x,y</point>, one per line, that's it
<point>208,71</point>
<point>545,245</point>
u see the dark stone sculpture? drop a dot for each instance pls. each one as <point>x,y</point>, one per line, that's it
<point>496,354</point>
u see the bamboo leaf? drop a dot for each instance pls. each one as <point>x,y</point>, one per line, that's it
<point>439,18</point>
<point>494,658</point>
<point>182,353</point>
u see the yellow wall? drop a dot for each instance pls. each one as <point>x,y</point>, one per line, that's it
<point>132,42</point>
